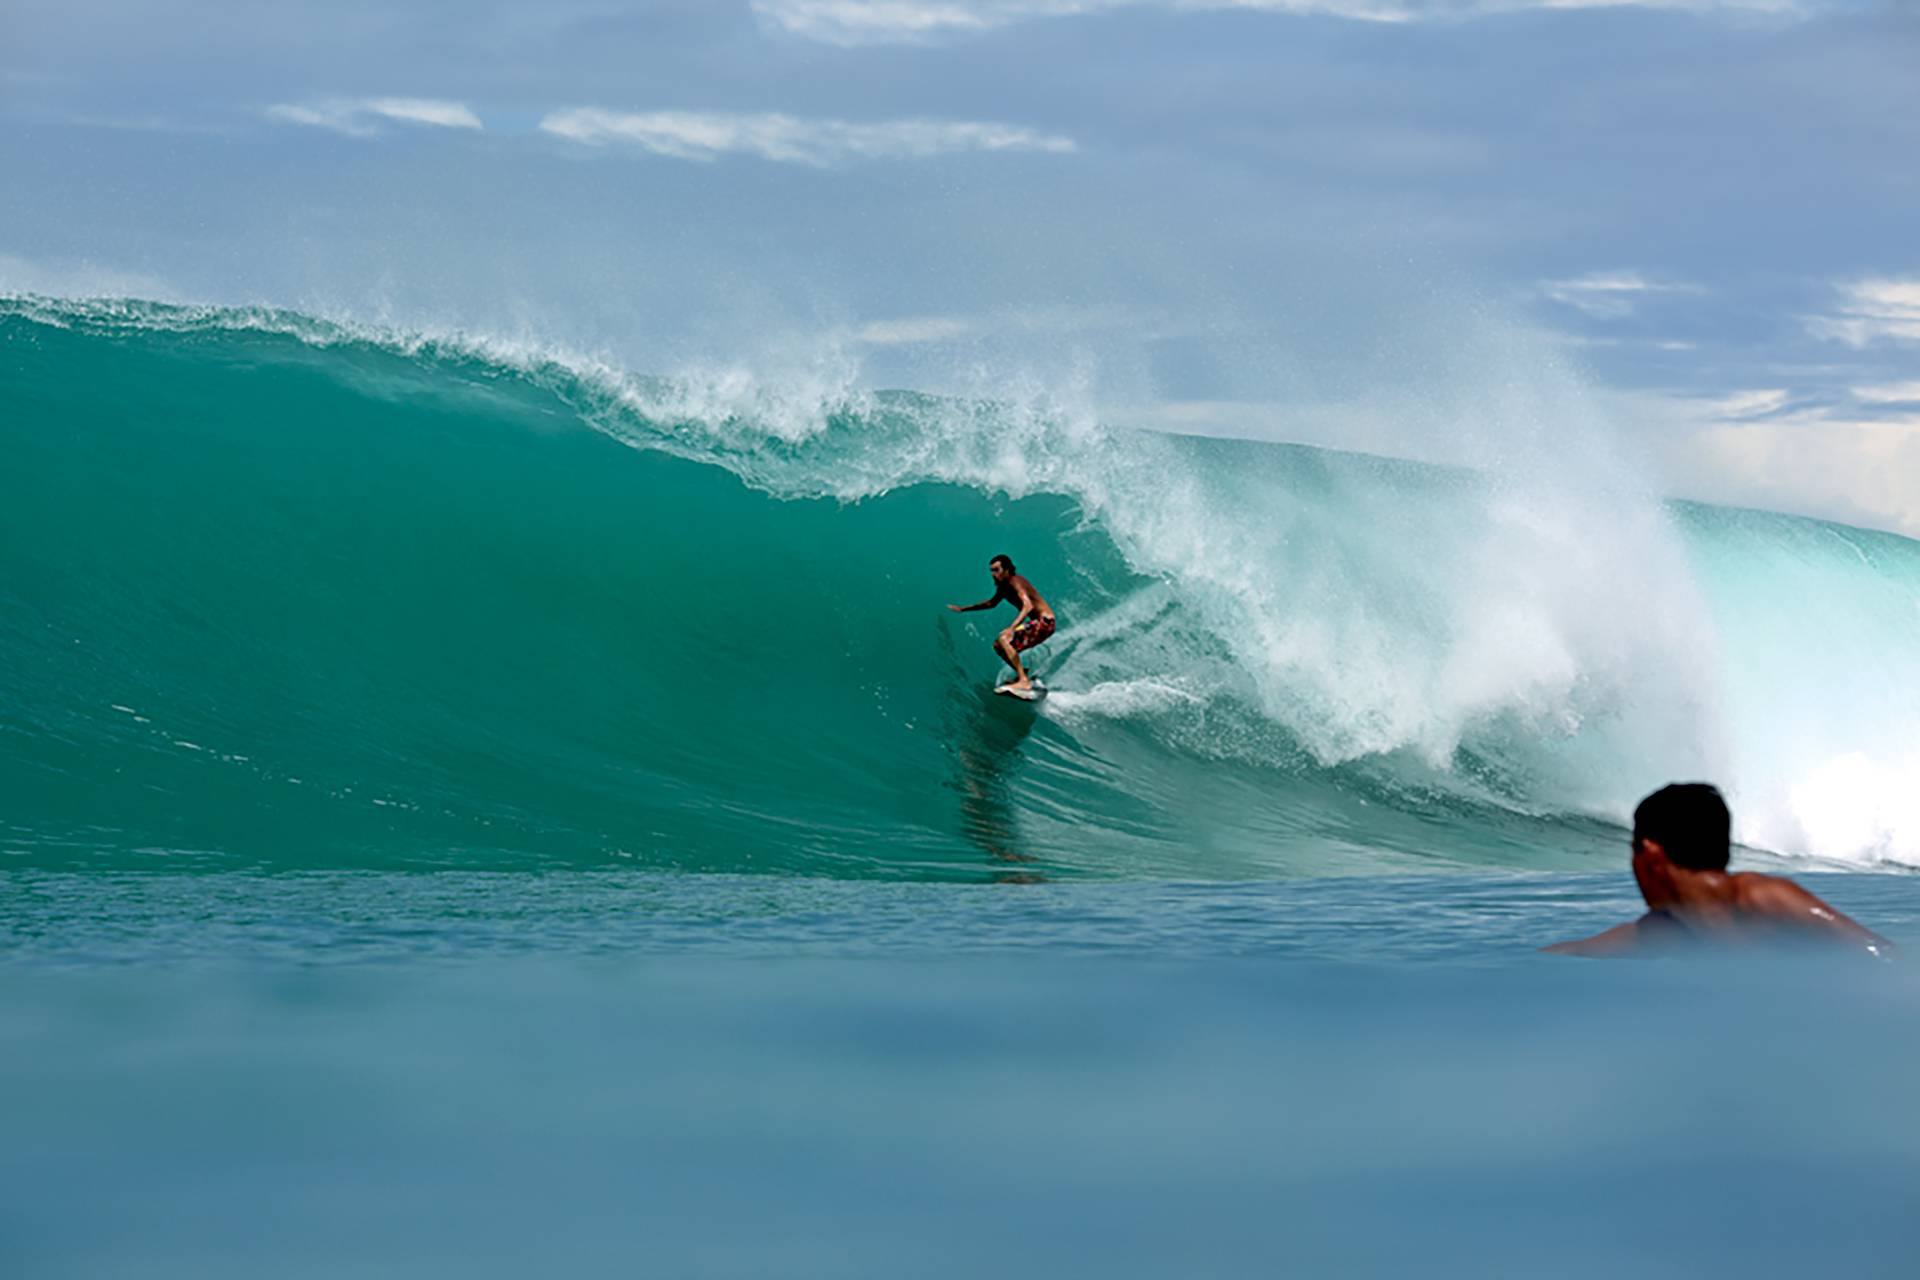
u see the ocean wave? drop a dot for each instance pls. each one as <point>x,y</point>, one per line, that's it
<point>390,572</point>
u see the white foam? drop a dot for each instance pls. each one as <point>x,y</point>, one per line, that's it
<point>1123,699</point>
<point>1852,810</point>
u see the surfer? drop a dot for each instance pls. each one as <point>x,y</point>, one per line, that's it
<point>1681,842</point>
<point>1031,626</point>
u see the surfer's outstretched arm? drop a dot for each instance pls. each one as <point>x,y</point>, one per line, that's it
<point>970,608</point>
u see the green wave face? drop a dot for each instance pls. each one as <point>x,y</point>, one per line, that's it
<point>279,595</point>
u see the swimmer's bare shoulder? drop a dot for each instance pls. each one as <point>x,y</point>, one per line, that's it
<point>1760,903</point>
<point>1775,898</point>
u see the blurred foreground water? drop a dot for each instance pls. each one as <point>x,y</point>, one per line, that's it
<point>722,1076</point>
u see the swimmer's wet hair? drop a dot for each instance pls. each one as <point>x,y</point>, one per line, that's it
<point>1690,821</point>
<point>1005,560</point>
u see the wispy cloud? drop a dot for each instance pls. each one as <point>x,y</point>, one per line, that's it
<point>362,117</point>
<point>851,22</point>
<point>1609,295</point>
<point>1745,406</point>
<point>688,135</point>
<point>1884,309</point>
<point>1888,393</point>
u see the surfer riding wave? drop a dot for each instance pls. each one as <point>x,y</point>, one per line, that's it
<point>1033,625</point>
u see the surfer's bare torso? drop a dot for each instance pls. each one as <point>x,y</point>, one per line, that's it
<point>1022,595</point>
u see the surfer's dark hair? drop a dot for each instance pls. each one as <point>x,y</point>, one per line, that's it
<point>1005,560</point>
<point>1690,821</point>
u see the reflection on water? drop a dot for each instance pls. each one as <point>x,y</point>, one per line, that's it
<point>984,733</point>
<point>985,753</point>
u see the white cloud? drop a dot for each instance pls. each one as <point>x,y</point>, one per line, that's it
<point>851,22</point>
<point>361,117</point>
<point>1783,451</point>
<point>1609,295</point>
<point>1616,343</point>
<point>1744,405</point>
<point>690,135</point>
<point>448,115</point>
<point>863,21</point>
<point>1872,310</point>
<point>1863,471</point>
<point>1888,393</point>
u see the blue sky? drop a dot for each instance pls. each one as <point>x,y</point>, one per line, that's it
<point>1350,221</point>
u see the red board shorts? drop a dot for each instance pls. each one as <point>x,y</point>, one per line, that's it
<point>1035,630</point>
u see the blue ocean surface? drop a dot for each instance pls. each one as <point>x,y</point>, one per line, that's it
<point>1047,1100</point>
<point>472,810</point>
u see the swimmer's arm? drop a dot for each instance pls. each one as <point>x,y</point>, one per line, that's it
<point>1781,899</point>
<point>1622,939</point>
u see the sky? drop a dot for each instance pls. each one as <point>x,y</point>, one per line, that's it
<point>1381,224</point>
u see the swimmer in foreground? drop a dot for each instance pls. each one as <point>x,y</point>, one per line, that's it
<point>1681,839</point>
<point>1031,626</point>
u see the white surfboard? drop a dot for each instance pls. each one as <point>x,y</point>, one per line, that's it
<point>1034,693</point>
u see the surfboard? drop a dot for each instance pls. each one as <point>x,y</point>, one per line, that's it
<point>1033,694</point>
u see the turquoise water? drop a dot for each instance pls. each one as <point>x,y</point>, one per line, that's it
<point>470,807</point>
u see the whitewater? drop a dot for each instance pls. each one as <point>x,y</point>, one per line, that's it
<point>283,592</point>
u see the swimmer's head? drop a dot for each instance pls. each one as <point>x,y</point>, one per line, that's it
<point>1690,823</point>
